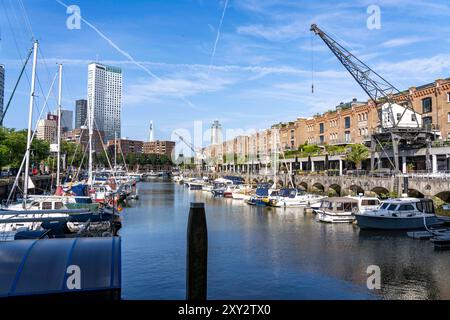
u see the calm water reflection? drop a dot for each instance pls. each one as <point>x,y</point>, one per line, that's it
<point>265,253</point>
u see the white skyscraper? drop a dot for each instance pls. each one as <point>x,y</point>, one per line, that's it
<point>150,136</point>
<point>105,98</point>
<point>216,132</point>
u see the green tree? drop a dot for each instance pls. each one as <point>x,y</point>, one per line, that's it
<point>357,153</point>
<point>310,149</point>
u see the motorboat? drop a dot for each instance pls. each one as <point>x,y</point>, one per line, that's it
<point>400,214</point>
<point>366,203</point>
<point>294,198</point>
<point>194,184</point>
<point>337,209</point>
<point>178,179</point>
<point>228,193</point>
<point>242,192</point>
<point>218,189</point>
<point>207,187</point>
<point>262,193</point>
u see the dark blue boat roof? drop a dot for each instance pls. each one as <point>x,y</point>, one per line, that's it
<point>35,267</point>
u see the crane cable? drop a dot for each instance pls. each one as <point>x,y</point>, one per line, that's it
<point>312,63</point>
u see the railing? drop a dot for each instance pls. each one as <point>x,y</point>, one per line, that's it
<point>423,174</point>
<point>381,174</point>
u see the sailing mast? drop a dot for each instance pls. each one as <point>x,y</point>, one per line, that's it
<point>91,131</point>
<point>30,121</point>
<point>58,168</point>
<point>115,151</point>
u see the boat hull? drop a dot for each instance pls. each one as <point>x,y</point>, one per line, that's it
<point>335,218</point>
<point>393,223</point>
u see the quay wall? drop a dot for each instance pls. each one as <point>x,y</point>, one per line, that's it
<point>42,183</point>
<point>425,186</point>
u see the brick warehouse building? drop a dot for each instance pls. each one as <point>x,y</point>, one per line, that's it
<point>159,147</point>
<point>347,123</point>
<point>125,146</point>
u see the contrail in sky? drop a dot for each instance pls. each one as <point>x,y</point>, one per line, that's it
<point>217,36</point>
<point>125,54</point>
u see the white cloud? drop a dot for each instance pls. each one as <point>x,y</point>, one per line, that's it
<point>416,71</point>
<point>403,41</point>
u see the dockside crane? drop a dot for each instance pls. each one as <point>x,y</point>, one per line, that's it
<point>197,154</point>
<point>393,127</point>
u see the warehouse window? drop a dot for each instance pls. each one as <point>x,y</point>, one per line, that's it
<point>426,105</point>
<point>347,122</point>
<point>321,127</point>
<point>448,96</point>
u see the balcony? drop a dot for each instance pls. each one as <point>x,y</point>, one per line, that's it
<point>338,142</point>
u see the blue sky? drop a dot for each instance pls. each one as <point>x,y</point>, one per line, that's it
<point>260,73</point>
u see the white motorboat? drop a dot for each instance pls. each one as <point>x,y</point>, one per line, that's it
<point>366,203</point>
<point>400,214</point>
<point>293,198</point>
<point>242,192</point>
<point>337,209</point>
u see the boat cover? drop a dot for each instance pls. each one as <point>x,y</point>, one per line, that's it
<point>46,266</point>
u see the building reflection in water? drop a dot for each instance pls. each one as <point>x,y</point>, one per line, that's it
<point>276,253</point>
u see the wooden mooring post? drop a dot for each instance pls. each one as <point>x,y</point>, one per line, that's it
<point>196,253</point>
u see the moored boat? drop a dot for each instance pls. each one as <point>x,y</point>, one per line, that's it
<point>400,214</point>
<point>337,209</point>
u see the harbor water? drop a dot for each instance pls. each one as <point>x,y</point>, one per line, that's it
<point>269,253</point>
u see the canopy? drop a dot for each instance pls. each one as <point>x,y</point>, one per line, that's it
<point>43,267</point>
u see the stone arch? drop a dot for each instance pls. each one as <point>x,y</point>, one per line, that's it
<point>303,185</point>
<point>318,187</point>
<point>380,191</point>
<point>415,193</point>
<point>355,189</point>
<point>337,188</point>
<point>444,196</point>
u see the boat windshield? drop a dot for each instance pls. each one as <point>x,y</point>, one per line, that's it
<point>425,206</point>
<point>219,185</point>
<point>324,204</point>
<point>384,205</point>
<point>392,207</point>
<point>262,192</point>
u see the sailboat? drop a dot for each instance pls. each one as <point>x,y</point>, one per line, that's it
<point>39,216</point>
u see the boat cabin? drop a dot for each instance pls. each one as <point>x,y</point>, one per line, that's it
<point>339,205</point>
<point>406,207</point>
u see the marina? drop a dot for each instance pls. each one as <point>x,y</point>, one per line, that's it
<point>270,253</point>
<point>141,160</point>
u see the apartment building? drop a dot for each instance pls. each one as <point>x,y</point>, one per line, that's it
<point>159,147</point>
<point>81,137</point>
<point>347,123</point>
<point>125,146</point>
<point>47,130</point>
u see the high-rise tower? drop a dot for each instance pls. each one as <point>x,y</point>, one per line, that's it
<point>105,98</point>
<point>150,135</point>
<point>216,132</point>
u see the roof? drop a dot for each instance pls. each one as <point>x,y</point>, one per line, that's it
<point>340,199</point>
<point>37,267</point>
